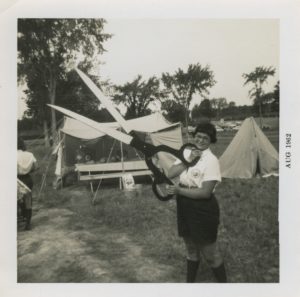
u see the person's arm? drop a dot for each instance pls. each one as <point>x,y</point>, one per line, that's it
<point>195,193</point>
<point>177,169</point>
<point>34,167</point>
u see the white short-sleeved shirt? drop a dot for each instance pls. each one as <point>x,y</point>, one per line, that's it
<point>26,162</point>
<point>206,169</point>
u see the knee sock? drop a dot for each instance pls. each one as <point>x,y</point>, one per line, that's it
<point>28,218</point>
<point>192,269</point>
<point>23,210</point>
<point>220,273</point>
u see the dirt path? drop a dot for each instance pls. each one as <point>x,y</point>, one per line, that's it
<point>62,247</point>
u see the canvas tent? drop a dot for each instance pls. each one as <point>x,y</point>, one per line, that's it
<point>95,155</point>
<point>249,153</point>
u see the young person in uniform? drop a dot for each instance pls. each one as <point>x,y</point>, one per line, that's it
<point>197,208</point>
<point>26,164</point>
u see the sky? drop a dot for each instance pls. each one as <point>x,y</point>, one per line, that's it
<point>230,48</point>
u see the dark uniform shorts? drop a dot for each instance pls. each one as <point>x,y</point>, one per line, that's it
<point>198,219</point>
<point>27,180</point>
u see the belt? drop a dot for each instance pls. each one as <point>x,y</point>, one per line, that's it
<point>185,186</point>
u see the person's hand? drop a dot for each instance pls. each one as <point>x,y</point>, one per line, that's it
<point>195,153</point>
<point>172,189</point>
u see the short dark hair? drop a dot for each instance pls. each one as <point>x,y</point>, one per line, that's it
<point>209,129</point>
<point>21,144</point>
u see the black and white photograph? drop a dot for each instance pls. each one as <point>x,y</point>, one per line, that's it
<point>149,148</point>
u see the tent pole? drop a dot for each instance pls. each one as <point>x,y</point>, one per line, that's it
<point>257,169</point>
<point>122,161</point>
<point>122,156</point>
<point>99,184</point>
<point>64,156</point>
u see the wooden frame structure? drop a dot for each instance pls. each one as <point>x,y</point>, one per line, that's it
<point>91,172</point>
<point>87,172</point>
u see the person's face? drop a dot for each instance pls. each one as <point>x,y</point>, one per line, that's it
<point>202,141</point>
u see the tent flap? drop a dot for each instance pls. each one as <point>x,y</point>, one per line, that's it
<point>147,124</point>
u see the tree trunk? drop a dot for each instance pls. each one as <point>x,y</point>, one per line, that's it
<point>186,122</point>
<point>52,93</point>
<point>186,117</point>
<point>260,116</point>
<point>259,96</point>
<point>188,102</point>
<point>260,110</point>
<point>46,134</point>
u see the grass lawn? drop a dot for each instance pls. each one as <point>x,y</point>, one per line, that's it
<point>132,236</point>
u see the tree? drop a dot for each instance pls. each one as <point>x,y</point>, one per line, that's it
<point>174,111</point>
<point>101,115</point>
<point>276,96</point>
<point>75,94</point>
<point>45,49</point>
<point>232,108</point>
<point>72,93</point>
<point>26,124</point>
<point>231,104</point>
<point>270,100</point>
<point>137,95</point>
<point>258,77</point>
<point>203,110</point>
<point>218,104</point>
<point>181,86</point>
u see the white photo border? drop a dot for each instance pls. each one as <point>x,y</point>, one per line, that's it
<point>287,12</point>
